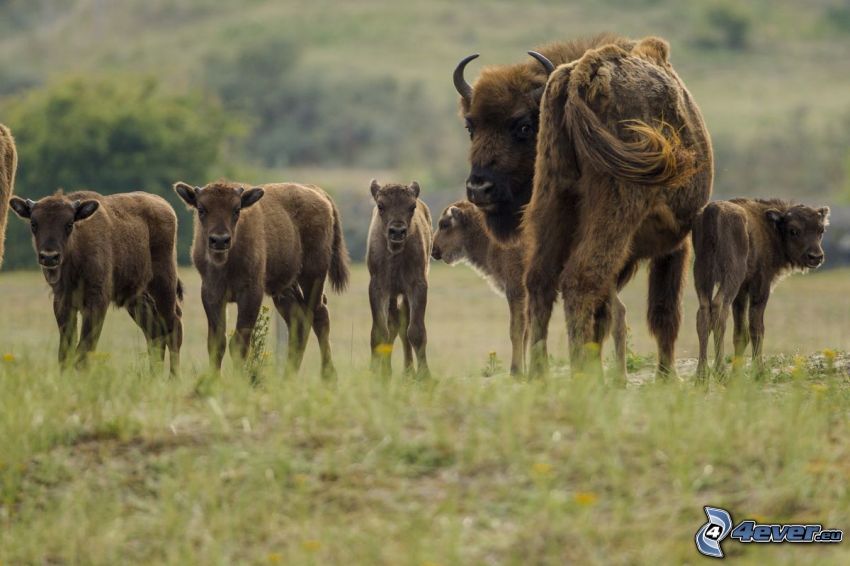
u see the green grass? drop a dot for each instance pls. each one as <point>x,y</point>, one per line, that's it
<point>116,466</point>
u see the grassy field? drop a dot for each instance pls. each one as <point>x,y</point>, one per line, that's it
<point>115,466</point>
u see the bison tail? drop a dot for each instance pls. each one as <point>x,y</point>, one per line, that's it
<point>339,269</point>
<point>179,304</point>
<point>8,165</point>
<point>705,236</point>
<point>655,156</point>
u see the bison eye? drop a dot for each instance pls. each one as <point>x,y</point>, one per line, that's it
<point>236,213</point>
<point>34,226</point>
<point>794,232</point>
<point>381,208</point>
<point>524,132</point>
<point>412,209</point>
<point>470,128</point>
<point>202,211</point>
<point>68,227</point>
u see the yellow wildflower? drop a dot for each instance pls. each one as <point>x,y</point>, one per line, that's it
<point>541,469</point>
<point>585,498</point>
<point>274,558</point>
<point>311,545</point>
<point>829,354</point>
<point>8,357</point>
<point>384,349</point>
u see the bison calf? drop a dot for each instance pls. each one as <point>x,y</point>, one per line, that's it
<point>743,247</point>
<point>96,249</point>
<point>398,253</point>
<point>462,236</point>
<point>283,240</point>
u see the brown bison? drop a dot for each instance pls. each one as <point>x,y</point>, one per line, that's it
<point>398,255</point>
<point>613,160</point>
<point>743,247</point>
<point>95,250</point>
<point>8,166</point>
<point>283,240</point>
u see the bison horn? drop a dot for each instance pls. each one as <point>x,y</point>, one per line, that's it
<point>463,88</point>
<point>547,64</point>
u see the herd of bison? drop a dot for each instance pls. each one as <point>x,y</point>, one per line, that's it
<point>585,160</point>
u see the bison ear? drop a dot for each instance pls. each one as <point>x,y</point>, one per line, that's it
<point>251,196</point>
<point>414,186</point>
<point>83,210</point>
<point>22,208</point>
<point>773,215</point>
<point>187,192</point>
<point>374,187</point>
<point>824,214</point>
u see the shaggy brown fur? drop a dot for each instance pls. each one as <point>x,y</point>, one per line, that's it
<point>743,247</point>
<point>624,164</point>
<point>280,239</point>
<point>398,256</point>
<point>95,250</point>
<point>502,118</point>
<point>8,167</point>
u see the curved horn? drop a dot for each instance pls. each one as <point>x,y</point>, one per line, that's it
<point>463,88</point>
<point>547,64</point>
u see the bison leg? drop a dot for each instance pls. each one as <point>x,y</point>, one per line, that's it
<point>216,309</point>
<point>94,313</point>
<point>163,290</point>
<point>397,323</point>
<point>591,275</point>
<point>741,334</point>
<point>416,333</point>
<point>380,340</point>
<point>618,332</point>
<point>317,303</point>
<point>248,306</point>
<point>758,303</point>
<point>290,306</point>
<point>518,328</point>
<point>66,320</point>
<point>143,312</point>
<point>664,312</point>
<point>703,331</point>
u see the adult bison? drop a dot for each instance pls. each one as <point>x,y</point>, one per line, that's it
<point>8,165</point>
<point>599,149</point>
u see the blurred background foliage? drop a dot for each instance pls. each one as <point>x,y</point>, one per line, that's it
<point>118,96</point>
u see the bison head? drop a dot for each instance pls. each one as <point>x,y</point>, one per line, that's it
<point>501,113</point>
<point>52,221</point>
<point>218,207</point>
<point>801,229</point>
<point>451,237</point>
<point>396,205</point>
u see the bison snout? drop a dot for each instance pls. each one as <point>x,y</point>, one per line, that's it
<point>815,259</point>
<point>479,192</point>
<point>220,241</point>
<point>436,253</point>
<point>397,233</point>
<point>48,259</point>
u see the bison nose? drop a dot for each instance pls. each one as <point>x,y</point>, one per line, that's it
<point>397,233</point>
<point>220,241</point>
<point>48,259</point>
<point>478,191</point>
<point>436,253</point>
<point>815,258</point>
